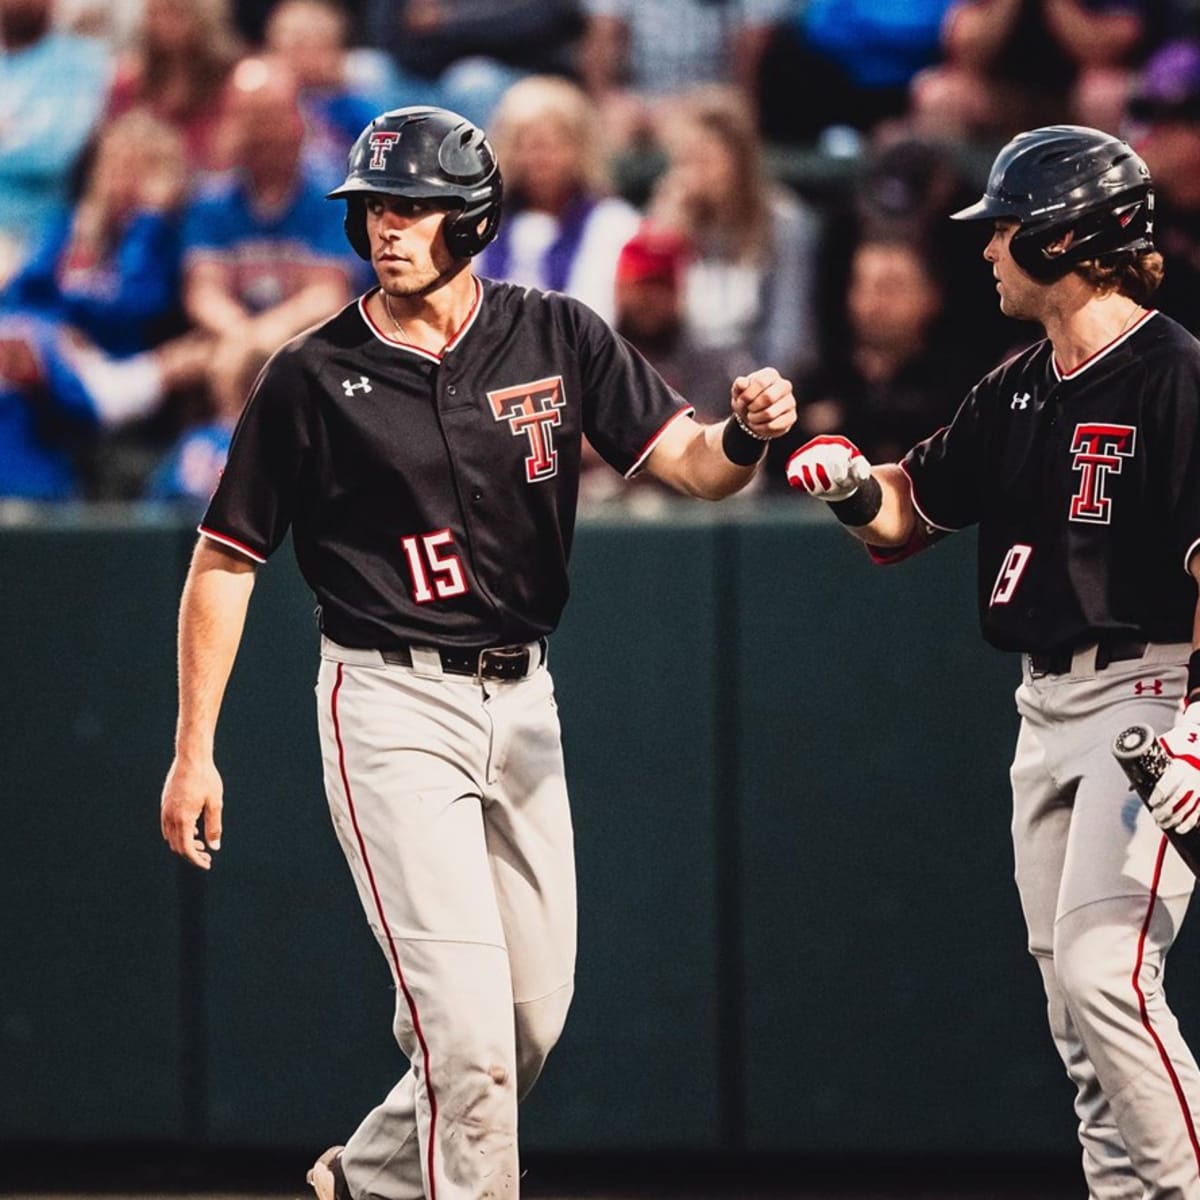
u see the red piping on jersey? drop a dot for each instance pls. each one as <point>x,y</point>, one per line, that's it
<point>1187,556</point>
<point>649,446</point>
<point>412,1006</point>
<point>459,333</point>
<point>233,543</point>
<point>1087,362</point>
<point>1145,1013</point>
<point>887,556</point>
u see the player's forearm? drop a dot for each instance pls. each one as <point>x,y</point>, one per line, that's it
<point>212,614</point>
<point>893,524</point>
<point>714,473</point>
<point>699,466</point>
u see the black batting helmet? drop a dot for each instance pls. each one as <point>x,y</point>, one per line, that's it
<point>1068,177</point>
<point>427,154</point>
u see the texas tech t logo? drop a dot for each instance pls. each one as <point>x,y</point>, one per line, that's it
<point>381,142</point>
<point>1098,451</point>
<point>531,409</point>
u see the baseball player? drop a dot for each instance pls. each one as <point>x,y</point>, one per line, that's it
<point>1079,460</point>
<point>424,447</point>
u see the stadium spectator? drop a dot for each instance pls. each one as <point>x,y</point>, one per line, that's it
<point>751,278</point>
<point>110,269</point>
<point>264,254</point>
<point>1010,65</point>
<point>905,188</point>
<point>177,68</point>
<point>1164,127</point>
<point>845,63</point>
<point>60,395</point>
<point>897,379</point>
<point>189,470</point>
<point>52,87</point>
<point>636,52</point>
<point>85,324</point>
<point>340,92</point>
<point>561,230</point>
<point>464,54</point>
<point>651,271</point>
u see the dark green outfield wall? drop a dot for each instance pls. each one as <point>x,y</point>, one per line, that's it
<point>798,928</point>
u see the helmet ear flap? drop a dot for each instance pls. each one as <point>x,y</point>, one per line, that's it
<point>464,237</point>
<point>355,225</point>
<point>1030,249</point>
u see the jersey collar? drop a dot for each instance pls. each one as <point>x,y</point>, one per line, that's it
<point>419,351</point>
<point>1060,374</point>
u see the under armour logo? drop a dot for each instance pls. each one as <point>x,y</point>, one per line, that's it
<point>363,385</point>
<point>1142,687</point>
<point>1020,400</point>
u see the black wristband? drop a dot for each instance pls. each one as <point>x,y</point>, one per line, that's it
<point>862,507</point>
<point>1193,676</point>
<point>741,446</point>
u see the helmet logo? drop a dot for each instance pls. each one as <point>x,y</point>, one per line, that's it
<point>381,142</point>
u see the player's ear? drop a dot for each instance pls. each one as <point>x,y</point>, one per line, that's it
<point>1060,245</point>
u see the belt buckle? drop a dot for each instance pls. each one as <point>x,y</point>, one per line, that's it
<point>504,656</point>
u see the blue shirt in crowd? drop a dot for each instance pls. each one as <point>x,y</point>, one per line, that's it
<point>268,252</point>
<point>120,302</point>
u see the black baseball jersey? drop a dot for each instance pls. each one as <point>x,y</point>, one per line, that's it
<point>1085,486</point>
<point>432,498</point>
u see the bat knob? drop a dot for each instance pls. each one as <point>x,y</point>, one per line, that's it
<point>1132,742</point>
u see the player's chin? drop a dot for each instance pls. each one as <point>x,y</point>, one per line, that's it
<point>1010,308</point>
<point>402,279</point>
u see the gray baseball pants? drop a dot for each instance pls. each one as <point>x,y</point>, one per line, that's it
<point>449,800</point>
<point>1103,895</point>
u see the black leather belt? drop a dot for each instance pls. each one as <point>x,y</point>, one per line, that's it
<point>492,662</point>
<point>1058,662</point>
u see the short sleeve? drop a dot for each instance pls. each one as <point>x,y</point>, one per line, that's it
<point>1174,402</point>
<point>946,470</point>
<point>253,504</point>
<point>626,403</point>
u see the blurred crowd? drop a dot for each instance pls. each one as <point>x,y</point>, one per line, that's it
<point>730,183</point>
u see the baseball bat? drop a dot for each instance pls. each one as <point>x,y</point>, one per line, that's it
<point>1143,761</point>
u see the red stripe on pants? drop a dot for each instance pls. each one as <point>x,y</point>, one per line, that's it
<point>412,1006</point>
<point>1137,987</point>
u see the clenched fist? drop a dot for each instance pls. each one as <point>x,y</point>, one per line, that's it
<point>763,402</point>
<point>828,467</point>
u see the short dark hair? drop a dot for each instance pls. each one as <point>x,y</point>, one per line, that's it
<point>1136,275</point>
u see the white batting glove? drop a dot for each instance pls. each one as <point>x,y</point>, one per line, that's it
<point>1175,801</point>
<point>828,467</point>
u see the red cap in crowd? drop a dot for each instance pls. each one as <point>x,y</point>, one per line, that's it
<point>653,253</point>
